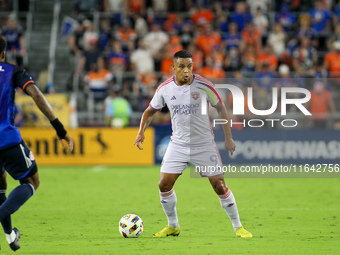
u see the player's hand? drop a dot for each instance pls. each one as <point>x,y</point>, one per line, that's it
<point>230,145</point>
<point>69,141</point>
<point>139,139</point>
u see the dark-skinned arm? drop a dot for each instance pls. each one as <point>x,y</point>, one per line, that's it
<point>223,114</point>
<point>46,109</point>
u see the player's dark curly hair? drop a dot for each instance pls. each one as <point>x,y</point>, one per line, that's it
<point>3,45</point>
<point>182,54</point>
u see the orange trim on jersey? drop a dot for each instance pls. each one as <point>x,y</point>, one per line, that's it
<point>164,83</point>
<point>23,87</point>
<point>199,77</point>
<point>212,89</point>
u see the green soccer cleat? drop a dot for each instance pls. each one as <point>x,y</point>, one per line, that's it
<point>167,231</point>
<point>241,232</point>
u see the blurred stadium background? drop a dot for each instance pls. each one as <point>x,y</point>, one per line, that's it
<point>99,62</point>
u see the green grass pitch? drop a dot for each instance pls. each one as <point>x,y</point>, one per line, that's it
<point>76,211</point>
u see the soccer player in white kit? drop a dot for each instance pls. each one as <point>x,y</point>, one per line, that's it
<point>192,141</point>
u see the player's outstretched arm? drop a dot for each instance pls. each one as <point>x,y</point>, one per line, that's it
<point>46,109</point>
<point>229,142</point>
<point>144,123</point>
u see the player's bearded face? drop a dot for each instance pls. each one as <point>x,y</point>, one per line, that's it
<point>183,70</point>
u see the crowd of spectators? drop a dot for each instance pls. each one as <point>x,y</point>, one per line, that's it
<point>254,43</point>
<point>16,44</point>
<point>290,44</point>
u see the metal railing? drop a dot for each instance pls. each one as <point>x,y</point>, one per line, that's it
<point>53,42</point>
<point>29,29</point>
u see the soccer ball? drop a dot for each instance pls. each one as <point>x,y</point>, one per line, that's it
<point>131,225</point>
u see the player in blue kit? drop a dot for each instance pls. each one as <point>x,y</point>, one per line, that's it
<point>15,157</point>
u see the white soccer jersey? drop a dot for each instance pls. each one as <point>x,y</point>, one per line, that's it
<point>189,125</point>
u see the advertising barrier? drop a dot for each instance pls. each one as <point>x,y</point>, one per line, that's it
<point>34,118</point>
<point>162,139</point>
<point>269,146</point>
<point>93,146</point>
<point>282,147</point>
<point>106,146</point>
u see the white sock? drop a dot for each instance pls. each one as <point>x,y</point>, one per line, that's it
<point>11,237</point>
<point>228,203</point>
<point>169,201</point>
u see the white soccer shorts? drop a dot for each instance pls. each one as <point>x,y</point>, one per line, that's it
<point>205,159</point>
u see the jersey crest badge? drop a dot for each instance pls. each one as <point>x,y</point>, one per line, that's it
<point>195,95</point>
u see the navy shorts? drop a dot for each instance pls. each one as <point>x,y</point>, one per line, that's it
<point>18,161</point>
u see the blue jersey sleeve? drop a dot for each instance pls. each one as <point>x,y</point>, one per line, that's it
<point>21,78</point>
